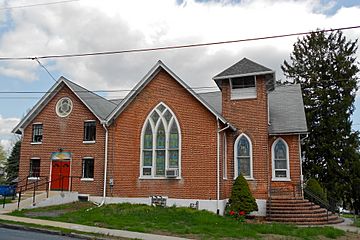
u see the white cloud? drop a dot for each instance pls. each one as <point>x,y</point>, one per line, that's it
<point>7,139</point>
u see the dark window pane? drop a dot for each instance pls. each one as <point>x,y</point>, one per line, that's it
<point>160,138</point>
<point>148,137</point>
<point>161,108</point>
<point>88,168</point>
<point>243,147</point>
<point>280,150</point>
<point>155,116</point>
<point>174,136</point>
<point>243,82</point>
<point>281,174</point>
<point>167,116</point>
<point>90,131</point>
<point>147,171</point>
<point>160,163</point>
<point>280,164</point>
<point>37,133</point>
<point>173,159</point>
<point>244,166</point>
<point>147,158</point>
<point>34,170</point>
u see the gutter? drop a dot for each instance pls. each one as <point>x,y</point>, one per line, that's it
<point>106,163</point>
<point>218,163</point>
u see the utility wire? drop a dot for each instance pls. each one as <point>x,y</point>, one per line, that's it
<point>173,47</point>
<point>36,5</point>
<point>37,60</point>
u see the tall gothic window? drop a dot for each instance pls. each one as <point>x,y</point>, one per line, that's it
<point>160,148</point>
<point>280,155</point>
<point>243,156</point>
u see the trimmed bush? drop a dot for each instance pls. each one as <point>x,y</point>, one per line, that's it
<point>314,186</point>
<point>241,199</point>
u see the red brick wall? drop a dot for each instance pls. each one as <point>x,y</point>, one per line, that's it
<point>198,151</point>
<point>249,116</point>
<point>66,133</point>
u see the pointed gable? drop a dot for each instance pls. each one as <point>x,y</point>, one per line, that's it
<point>143,83</point>
<point>98,105</point>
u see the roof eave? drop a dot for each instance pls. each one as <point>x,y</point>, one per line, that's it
<point>288,133</point>
<point>243,75</point>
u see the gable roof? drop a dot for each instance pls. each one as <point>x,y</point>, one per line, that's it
<point>244,67</point>
<point>286,108</point>
<point>98,105</point>
<point>146,79</point>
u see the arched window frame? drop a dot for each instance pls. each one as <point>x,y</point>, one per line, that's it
<point>236,173</point>
<point>274,178</point>
<point>154,128</point>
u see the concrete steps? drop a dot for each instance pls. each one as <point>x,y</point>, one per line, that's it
<point>298,211</point>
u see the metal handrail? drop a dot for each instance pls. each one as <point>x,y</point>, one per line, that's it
<point>35,185</point>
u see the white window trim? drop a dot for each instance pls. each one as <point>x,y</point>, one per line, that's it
<point>224,156</point>
<point>87,179</point>
<point>35,178</point>
<point>35,143</point>
<point>89,142</point>
<point>274,178</point>
<point>167,134</point>
<point>236,173</point>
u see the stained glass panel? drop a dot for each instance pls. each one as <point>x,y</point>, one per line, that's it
<point>160,163</point>
<point>160,137</point>
<point>173,158</point>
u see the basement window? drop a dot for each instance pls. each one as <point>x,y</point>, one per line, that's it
<point>243,87</point>
<point>34,170</point>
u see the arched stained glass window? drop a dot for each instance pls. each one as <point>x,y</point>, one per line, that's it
<point>243,156</point>
<point>280,160</point>
<point>160,143</point>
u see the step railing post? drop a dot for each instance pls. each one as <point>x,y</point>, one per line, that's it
<point>19,199</point>
<point>34,194</point>
<point>4,200</point>
<point>47,186</point>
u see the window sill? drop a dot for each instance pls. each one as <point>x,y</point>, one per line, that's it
<point>159,178</point>
<point>87,179</point>
<point>33,178</point>
<point>35,143</point>
<point>247,178</point>
<point>281,179</point>
<point>89,142</point>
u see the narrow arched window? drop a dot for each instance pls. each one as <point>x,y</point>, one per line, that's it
<point>160,150</point>
<point>243,156</point>
<point>280,155</point>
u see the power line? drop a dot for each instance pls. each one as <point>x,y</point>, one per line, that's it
<point>172,47</point>
<point>37,5</point>
<point>37,60</point>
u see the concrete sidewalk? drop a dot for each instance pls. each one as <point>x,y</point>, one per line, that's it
<point>89,229</point>
<point>346,226</point>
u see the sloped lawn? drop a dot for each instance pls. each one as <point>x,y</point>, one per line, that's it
<point>184,222</point>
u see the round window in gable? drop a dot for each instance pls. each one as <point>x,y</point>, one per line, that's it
<point>64,107</point>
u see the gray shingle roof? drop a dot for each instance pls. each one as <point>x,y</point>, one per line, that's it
<point>214,99</point>
<point>96,104</point>
<point>242,68</point>
<point>287,114</point>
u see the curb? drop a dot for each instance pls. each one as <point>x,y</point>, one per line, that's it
<point>52,232</point>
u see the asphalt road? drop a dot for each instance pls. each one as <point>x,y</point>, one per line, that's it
<point>14,234</point>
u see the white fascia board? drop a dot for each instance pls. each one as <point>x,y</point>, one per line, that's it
<point>244,75</point>
<point>38,107</point>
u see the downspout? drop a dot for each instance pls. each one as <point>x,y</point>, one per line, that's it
<point>218,164</point>
<point>106,163</point>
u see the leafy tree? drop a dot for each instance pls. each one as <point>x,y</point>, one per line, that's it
<point>2,164</point>
<point>325,66</point>
<point>314,186</point>
<point>12,164</point>
<point>241,198</point>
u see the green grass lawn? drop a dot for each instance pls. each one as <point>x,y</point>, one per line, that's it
<point>184,222</point>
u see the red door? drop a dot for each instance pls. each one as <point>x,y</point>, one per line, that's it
<point>60,175</point>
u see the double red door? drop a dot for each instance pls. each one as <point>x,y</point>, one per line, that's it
<point>60,175</point>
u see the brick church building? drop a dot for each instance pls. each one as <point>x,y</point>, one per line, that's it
<point>163,139</point>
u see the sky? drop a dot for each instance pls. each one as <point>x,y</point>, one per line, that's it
<point>33,28</point>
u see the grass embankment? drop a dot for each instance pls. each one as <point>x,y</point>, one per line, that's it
<point>351,216</point>
<point>171,221</point>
